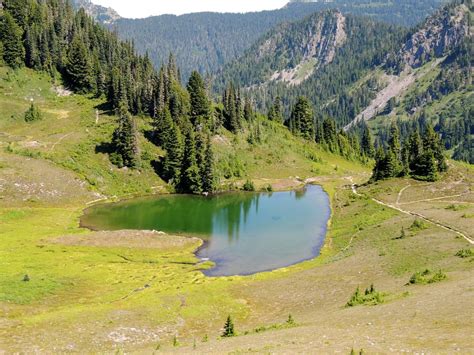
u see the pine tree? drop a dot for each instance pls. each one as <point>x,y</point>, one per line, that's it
<point>426,167</point>
<point>367,145</point>
<point>432,143</point>
<point>174,155</point>
<point>415,149</point>
<point>11,36</point>
<point>125,138</point>
<point>32,114</point>
<point>228,328</point>
<point>302,120</point>
<point>190,180</point>
<point>78,67</point>
<point>393,158</point>
<point>276,111</point>
<point>232,110</point>
<point>207,173</point>
<point>248,110</point>
<point>200,107</point>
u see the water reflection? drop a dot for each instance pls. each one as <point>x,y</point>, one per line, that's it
<point>246,232</point>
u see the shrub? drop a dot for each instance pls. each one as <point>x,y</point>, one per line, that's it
<point>465,253</point>
<point>26,278</point>
<point>418,225</point>
<point>248,186</point>
<point>290,320</point>
<point>369,297</point>
<point>32,114</point>
<point>426,277</point>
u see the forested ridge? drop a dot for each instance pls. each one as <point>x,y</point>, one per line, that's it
<point>370,54</point>
<point>215,39</point>
<point>51,37</point>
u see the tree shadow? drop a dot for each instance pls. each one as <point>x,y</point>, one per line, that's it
<point>157,166</point>
<point>104,148</point>
<point>106,108</point>
<point>151,136</point>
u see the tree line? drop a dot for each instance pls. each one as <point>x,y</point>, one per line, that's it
<point>421,158</point>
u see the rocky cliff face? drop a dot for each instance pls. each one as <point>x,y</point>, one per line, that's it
<point>104,15</point>
<point>300,52</point>
<point>437,37</point>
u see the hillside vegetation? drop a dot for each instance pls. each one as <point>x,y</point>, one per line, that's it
<point>85,120</point>
<point>216,39</point>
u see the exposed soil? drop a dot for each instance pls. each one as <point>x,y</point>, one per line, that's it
<point>128,239</point>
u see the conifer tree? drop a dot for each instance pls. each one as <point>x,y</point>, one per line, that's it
<point>276,111</point>
<point>228,328</point>
<point>248,110</point>
<point>231,109</point>
<point>32,114</point>
<point>174,155</point>
<point>11,36</point>
<point>125,138</point>
<point>78,67</point>
<point>432,143</point>
<point>190,180</point>
<point>200,107</point>
<point>207,173</point>
<point>367,145</point>
<point>302,120</point>
<point>426,167</point>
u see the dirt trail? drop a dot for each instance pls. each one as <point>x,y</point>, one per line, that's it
<point>415,214</point>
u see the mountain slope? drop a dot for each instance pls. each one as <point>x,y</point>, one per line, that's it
<point>101,14</point>
<point>319,57</point>
<point>206,41</point>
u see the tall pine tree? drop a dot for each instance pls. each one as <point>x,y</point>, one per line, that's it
<point>11,35</point>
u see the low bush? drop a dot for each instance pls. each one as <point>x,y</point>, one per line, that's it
<point>426,277</point>
<point>418,225</point>
<point>248,186</point>
<point>369,297</point>
<point>465,253</point>
<point>32,114</point>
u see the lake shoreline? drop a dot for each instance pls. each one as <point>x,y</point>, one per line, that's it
<point>282,251</point>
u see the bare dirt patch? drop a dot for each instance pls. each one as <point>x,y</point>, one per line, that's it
<point>128,239</point>
<point>26,180</point>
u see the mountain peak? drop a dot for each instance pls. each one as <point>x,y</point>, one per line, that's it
<point>104,15</point>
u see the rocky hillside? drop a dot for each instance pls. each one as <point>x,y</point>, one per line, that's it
<point>207,41</point>
<point>104,15</point>
<point>291,53</point>
<point>439,35</point>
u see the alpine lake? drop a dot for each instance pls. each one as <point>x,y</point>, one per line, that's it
<point>244,233</point>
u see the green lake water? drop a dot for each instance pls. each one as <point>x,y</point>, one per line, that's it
<point>244,233</point>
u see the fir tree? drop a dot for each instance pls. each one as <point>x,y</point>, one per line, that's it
<point>174,155</point>
<point>228,328</point>
<point>276,111</point>
<point>302,120</point>
<point>78,67</point>
<point>367,145</point>
<point>426,167</point>
<point>432,143</point>
<point>190,180</point>
<point>11,36</point>
<point>207,173</point>
<point>125,138</point>
<point>198,98</point>
<point>32,114</point>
